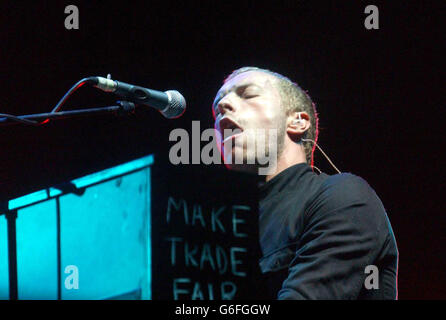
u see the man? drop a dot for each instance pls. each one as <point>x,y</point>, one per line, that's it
<point>322,236</point>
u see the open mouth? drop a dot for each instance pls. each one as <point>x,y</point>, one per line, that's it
<point>229,129</point>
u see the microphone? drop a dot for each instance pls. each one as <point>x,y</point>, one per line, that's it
<point>170,103</point>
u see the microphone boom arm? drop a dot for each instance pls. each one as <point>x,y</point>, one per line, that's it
<point>123,107</point>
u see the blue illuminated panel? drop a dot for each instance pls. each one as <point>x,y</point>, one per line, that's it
<point>37,251</point>
<point>105,238</point>
<point>4,282</point>
<point>105,234</point>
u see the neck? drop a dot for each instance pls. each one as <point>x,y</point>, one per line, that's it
<point>291,155</point>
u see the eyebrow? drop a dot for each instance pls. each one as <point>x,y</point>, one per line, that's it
<point>234,88</point>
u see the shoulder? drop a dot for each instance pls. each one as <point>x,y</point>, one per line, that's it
<point>347,186</point>
<point>344,190</point>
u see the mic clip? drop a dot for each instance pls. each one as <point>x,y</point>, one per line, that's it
<point>126,107</point>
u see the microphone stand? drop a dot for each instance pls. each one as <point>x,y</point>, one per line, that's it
<point>123,107</point>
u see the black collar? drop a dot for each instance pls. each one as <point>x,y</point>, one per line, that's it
<point>285,179</point>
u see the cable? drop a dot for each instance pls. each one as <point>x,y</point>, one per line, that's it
<point>320,149</point>
<point>15,118</point>
<point>314,167</point>
<point>79,84</point>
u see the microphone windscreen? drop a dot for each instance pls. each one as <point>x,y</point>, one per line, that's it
<point>176,106</point>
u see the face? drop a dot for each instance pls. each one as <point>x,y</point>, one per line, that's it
<point>249,120</point>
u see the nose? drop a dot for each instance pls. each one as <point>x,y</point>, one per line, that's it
<point>225,105</point>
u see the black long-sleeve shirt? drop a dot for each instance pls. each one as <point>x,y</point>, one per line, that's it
<point>318,233</point>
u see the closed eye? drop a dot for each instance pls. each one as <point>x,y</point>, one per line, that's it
<point>249,92</point>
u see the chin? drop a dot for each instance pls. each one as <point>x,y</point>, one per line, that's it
<point>233,163</point>
<point>248,168</point>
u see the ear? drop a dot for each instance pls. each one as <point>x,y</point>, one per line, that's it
<point>296,126</point>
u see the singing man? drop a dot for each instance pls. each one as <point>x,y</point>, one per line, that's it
<point>322,236</point>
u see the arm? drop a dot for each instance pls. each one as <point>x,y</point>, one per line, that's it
<point>345,231</point>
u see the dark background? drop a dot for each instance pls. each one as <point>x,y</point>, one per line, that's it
<point>377,92</point>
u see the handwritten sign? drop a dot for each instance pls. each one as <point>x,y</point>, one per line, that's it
<point>204,234</point>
